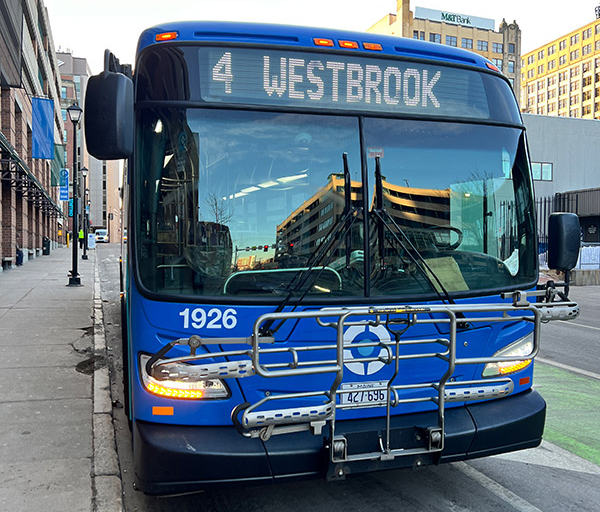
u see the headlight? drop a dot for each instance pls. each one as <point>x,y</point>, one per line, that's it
<point>181,380</point>
<point>522,347</point>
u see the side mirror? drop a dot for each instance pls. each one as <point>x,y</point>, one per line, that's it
<point>563,241</point>
<point>109,116</point>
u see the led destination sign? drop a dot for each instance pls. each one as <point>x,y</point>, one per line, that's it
<point>317,80</point>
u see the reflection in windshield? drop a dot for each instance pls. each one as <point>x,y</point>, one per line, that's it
<point>239,203</point>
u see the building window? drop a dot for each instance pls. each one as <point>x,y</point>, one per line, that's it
<point>451,40</point>
<point>574,86</point>
<point>540,111</point>
<point>574,72</point>
<point>552,80</point>
<point>587,95</point>
<point>541,85</point>
<point>552,49</point>
<point>586,81</point>
<point>482,46</point>
<point>562,45</point>
<point>467,43</point>
<point>498,63</point>
<point>541,98</point>
<point>541,171</point>
<point>562,60</point>
<point>573,100</point>
<point>531,59</point>
<point>530,73</point>
<point>511,48</point>
<point>586,110</point>
<point>597,29</point>
<point>511,66</point>
<point>551,64</point>
<point>586,50</point>
<point>540,69</point>
<point>574,39</point>
<point>574,55</point>
<point>435,38</point>
<point>540,54</point>
<point>497,47</point>
<point>63,92</point>
<point>586,34</point>
<point>415,34</point>
<point>551,107</point>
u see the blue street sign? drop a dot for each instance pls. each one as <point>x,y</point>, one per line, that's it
<point>71,207</point>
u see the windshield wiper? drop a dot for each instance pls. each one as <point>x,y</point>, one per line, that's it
<point>385,220</point>
<point>341,230</point>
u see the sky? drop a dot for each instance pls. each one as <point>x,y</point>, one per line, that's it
<point>88,27</point>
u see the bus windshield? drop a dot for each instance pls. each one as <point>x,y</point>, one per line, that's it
<point>237,203</point>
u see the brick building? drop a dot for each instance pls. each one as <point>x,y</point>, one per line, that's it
<point>30,209</point>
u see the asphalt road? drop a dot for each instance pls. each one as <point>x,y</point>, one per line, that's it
<point>548,478</point>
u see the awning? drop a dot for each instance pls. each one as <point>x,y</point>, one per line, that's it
<point>14,170</point>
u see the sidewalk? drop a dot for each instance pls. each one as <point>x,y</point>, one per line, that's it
<point>48,455</point>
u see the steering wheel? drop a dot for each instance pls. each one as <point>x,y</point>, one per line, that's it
<point>448,246</point>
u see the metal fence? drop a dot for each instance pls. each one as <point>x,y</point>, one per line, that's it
<point>546,206</point>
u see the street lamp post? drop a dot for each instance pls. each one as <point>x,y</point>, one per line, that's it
<point>84,173</point>
<point>75,112</point>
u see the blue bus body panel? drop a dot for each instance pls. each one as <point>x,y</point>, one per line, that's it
<point>303,37</point>
<point>154,324</point>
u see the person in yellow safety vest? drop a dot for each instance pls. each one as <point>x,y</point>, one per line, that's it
<point>81,238</point>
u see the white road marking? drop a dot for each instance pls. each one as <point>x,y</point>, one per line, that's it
<point>573,369</point>
<point>570,322</point>
<point>552,456</point>
<point>495,488</point>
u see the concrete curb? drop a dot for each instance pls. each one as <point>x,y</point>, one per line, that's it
<point>106,475</point>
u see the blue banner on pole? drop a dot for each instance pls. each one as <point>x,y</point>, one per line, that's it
<point>64,185</point>
<point>42,130</point>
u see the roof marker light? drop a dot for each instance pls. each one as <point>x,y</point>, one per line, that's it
<point>348,44</point>
<point>166,36</point>
<point>320,41</point>
<point>373,46</point>
<point>492,67</point>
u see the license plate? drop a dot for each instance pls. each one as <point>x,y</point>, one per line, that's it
<point>364,394</point>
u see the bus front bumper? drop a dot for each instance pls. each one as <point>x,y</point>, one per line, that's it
<point>172,459</point>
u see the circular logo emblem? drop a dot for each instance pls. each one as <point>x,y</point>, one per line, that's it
<point>354,339</point>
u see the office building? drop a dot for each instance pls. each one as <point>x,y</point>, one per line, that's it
<point>502,47</point>
<point>562,77</point>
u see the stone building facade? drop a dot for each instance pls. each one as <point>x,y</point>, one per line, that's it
<point>502,47</point>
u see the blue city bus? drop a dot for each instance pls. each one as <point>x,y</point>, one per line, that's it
<point>332,257</point>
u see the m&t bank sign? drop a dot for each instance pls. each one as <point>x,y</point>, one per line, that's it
<point>452,17</point>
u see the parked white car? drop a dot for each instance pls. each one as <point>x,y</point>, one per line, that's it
<point>102,235</point>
